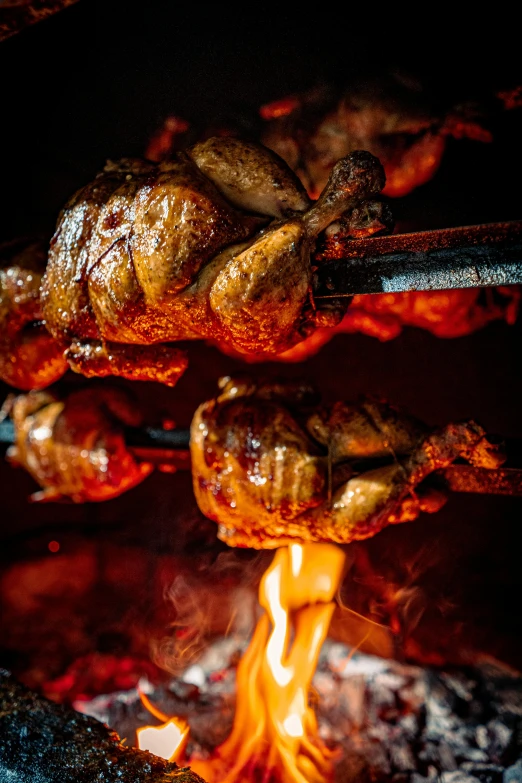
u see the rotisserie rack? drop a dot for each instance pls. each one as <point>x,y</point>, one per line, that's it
<point>319,275</point>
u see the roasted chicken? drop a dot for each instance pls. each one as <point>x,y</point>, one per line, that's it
<point>445,314</point>
<point>75,448</point>
<point>213,244</point>
<point>271,469</point>
<point>393,117</point>
<point>390,115</point>
<point>29,356</point>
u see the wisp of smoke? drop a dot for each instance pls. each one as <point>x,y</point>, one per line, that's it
<point>218,599</point>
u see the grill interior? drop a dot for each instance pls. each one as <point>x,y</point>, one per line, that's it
<point>100,81</point>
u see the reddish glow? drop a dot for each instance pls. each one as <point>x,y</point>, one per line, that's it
<point>53,546</point>
<point>275,730</point>
<point>163,141</point>
<point>281,108</point>
<point>512,99</point>
<point>166,467</point>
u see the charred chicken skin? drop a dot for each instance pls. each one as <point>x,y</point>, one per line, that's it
<point>30,358</point>
<point>213,244</point>
<point>271,469</point>
<point>75,448</point>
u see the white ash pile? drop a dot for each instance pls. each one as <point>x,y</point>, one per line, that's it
<point>393,722</point>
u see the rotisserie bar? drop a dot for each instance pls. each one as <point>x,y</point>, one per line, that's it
<point>304,231</point>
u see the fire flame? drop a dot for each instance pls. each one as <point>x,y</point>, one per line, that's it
<point>168,740</point>
<point>275,730</point>
<point>275,733</point>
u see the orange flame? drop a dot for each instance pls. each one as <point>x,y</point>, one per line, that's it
<point>275,730</point>
<point>168,740</point>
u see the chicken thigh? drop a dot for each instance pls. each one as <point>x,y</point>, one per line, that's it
<point>272,470</point>
<point>214,244</point>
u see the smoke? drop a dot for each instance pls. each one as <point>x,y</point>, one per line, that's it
<point>389,595</point>
<point>217,599</point>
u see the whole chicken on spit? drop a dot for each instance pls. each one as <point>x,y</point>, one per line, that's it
<point>75,447</point>
<point>30,358</point>
<point>391,114</point>
<point>214,244</point>
<point>271,469</point>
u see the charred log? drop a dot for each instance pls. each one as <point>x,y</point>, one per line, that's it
<point>46,742</point>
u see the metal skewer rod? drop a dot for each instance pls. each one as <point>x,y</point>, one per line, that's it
<point>463,257</point>
<point>171,447</point>
<point>137,438</point>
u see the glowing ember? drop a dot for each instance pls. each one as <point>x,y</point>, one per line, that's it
<point>281,108</point>
<point>275,731</point>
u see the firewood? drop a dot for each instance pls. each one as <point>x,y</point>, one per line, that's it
<point>51,743</point>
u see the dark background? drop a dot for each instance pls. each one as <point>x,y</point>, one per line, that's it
<point>96,80</point>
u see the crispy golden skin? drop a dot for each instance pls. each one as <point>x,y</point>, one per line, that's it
<point>149,255</point>
<point>30,358</point>
<point>270,470</point>
<point>75,447</point>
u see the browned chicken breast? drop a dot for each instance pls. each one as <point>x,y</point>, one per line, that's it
<point>75,448</point>
<point>271,470</point>
<point>213,244</point>
<point>30,358</point>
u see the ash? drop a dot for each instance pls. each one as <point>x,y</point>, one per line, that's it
<point>391,722</point>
